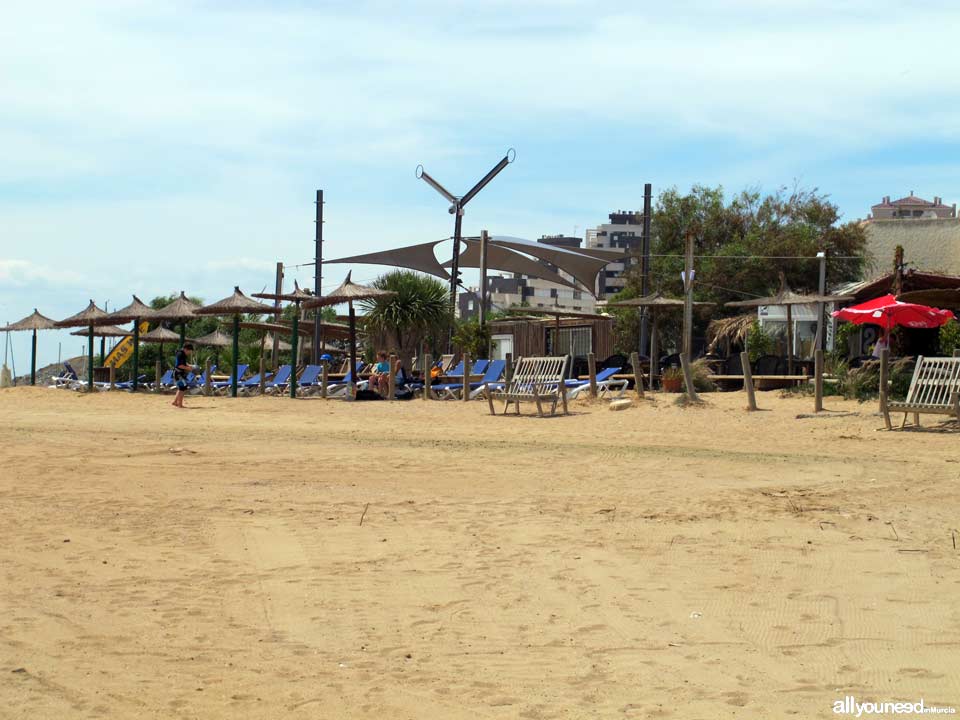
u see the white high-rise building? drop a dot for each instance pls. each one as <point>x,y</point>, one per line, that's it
<point>625,230</point>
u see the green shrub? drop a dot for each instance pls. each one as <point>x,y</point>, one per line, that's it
<point>759,342</point>
<point>949,338</point>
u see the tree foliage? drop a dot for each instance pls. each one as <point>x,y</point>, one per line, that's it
<point>419,312</point>
<point>742,244</point>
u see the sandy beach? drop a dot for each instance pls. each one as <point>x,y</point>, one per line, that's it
<point>656,562</point>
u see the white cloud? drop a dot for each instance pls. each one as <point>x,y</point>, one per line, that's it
<point>24,273</point>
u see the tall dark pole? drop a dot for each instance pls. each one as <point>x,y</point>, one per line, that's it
<point>484,237</point>
<point>33,358</point>
<point>234,380</point>
<point>275,350</point>
<point>455,266</point>
<point>90,359</point>
<point>353,354</point>
<point>318,278</point>
<point>136,352</point>
<point>293,350</point>
<point>645,277</point>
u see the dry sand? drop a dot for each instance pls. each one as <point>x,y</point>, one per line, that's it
<point>656,562</point>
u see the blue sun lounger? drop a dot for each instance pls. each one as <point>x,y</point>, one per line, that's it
<point>491,373</point>
<point>605,384</point>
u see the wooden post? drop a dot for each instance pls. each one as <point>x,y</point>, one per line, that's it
<point>637,373</point>
<point>592,369</point>
<point>263,372</point>
<point>654,348</point>
<point>688,377</point>
<point>789,340</point>
<point>818,380</point>
<point>465,390</point>
<point>688,297</point>
<point>884,380</point>
<point>113,376</point>
<point>508,369</point>
<point>427,367</point>
<point>207,382</point>
<point>324,380</point>
<point>159,368</point>
<point>392,378</point>
<point>748,380</point>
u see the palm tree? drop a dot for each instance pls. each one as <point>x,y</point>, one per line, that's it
<point>419,311</point>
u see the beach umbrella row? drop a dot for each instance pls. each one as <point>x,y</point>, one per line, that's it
<point>349,292</point>
<point>88,317</point>
<point>296,297</point>
<point>234,306</point>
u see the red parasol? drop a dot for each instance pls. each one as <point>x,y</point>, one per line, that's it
<point>887,312</point>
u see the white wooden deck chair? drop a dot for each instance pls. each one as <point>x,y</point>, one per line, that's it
<point>539,380</point>
<point>934,389</point>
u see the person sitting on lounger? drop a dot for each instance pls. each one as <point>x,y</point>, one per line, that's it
<point>380,378</point>
<point>181,370</point>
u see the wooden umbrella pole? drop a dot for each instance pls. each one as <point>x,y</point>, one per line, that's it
<point>295,327</point>
<point>33,358</point>
<point>353,354</point>
<point>90,359</point>
<point>136,353</point>
<point>789,340</point>
<point>235,381</point>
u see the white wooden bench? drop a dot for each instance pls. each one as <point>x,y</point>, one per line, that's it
<point>539,380</point>
<point>934,388</point>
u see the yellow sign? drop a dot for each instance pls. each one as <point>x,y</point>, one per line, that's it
<point>123,350</point>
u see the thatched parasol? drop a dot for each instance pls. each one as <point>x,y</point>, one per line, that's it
<point>235,305</point>
<point>214,339</point>
<point>729,330</point>
<point>33,322</point>
<point>948,298</point>
<point>296,297</point>
<point>160,335</point>
<point>349,292</point>
<point>87,317</point>
<point>102,331</point>
<point>788,298</point>
<point>654,301</point>
<point>181,310</point>
<point>136,312</point>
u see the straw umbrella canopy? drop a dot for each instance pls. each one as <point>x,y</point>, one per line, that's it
<point>949,298</point>
<point>788,298</point>
<point>235,305</point>
<point>296,297</point>
<point>32,322</point>
<point>215,339</point>
<point>102,331</point>
<point>349,292</point>
<point>160,335</point>
<point>136,312</point>
<point>87,317</point>
<point>654,302</point>
<point>180,310</point>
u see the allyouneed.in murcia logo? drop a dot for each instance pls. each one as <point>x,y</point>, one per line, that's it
<point>850,706</point>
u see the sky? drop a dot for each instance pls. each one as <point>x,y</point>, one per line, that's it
<point>152,147</point>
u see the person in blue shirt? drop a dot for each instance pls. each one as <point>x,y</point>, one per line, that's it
<point>380,377</point>
<point>181,371</point>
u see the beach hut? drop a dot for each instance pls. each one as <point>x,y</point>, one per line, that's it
<point>136,312</point>
<point>234,306</point>
<point>32,322</point>
<point>349,292</point>
<point>87,317</point>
